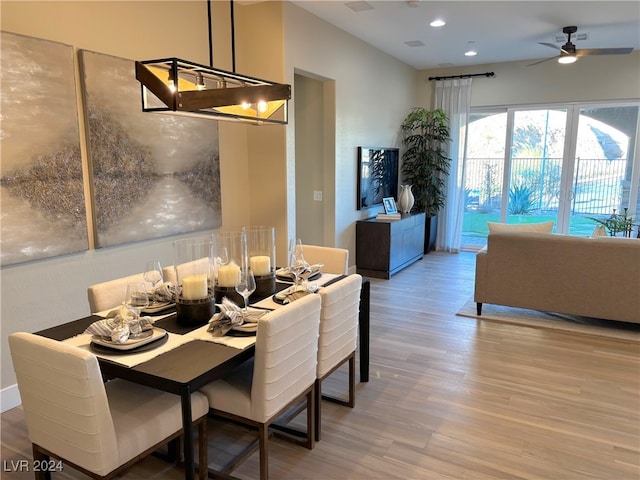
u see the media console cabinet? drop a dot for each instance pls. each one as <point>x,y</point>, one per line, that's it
<point>384,247</point>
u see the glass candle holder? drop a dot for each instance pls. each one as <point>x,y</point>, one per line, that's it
<point>261,258</point>
<point>193,264</point>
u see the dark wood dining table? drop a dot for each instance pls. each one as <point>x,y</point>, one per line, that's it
<point>192,365</point>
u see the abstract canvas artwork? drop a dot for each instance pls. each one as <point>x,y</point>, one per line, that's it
<point>41,187</point>
<point>153,175</point>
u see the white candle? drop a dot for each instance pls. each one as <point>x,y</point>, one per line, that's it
<point>194,287</point>
<point>228,275</point>
<point>260,265</point>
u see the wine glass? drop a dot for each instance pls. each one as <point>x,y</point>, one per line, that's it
<point>135,300</point>
<point>153,273</point>
<point>245,286</point>
<point>297,264</point>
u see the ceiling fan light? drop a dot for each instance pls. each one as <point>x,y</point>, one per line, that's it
<point>564,59</point>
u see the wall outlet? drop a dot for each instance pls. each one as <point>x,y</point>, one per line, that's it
<point>317,196</point>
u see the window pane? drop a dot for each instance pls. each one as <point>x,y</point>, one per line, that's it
<point>603,165</point>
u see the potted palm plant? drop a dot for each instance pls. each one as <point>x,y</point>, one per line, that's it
<point>425,164</point>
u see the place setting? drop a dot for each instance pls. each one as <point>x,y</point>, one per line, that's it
<point>124,329</point>
<point>299,272</point>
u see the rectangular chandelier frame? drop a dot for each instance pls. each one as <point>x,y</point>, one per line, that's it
<point>180,86</point>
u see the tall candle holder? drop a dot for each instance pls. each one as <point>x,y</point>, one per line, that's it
<point>261,259</point>
<point>229,250</point>
<point>193,264</point>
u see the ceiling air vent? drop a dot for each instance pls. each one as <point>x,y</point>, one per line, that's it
<point>359,6</point>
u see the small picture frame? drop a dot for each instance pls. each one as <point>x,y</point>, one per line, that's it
<point>389,205</point>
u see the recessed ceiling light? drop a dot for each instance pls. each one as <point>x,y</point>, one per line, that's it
<point>471,52</point>
<point>438,23</point>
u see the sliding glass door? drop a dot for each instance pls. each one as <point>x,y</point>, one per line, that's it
<point>562,163</point>
<point>603,166</point>
<point>537,145</point>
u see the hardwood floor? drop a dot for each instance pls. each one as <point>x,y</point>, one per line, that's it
<point>450,398</point>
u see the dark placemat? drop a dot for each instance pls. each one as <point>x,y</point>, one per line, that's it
<point>171,324</point>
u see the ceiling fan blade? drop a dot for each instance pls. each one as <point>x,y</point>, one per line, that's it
<point>603,51</point>
<point>541,61</point>
<point>555,47</point>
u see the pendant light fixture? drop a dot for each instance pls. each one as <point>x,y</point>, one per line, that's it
<point>188,88</point>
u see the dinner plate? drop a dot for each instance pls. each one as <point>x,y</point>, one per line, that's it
<point>156,307</point>
<point>145,338</point>
<point>246,328</point>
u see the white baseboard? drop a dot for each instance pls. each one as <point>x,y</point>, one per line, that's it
<point>9,398</point>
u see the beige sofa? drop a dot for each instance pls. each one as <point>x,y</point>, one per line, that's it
<point>595,277</point>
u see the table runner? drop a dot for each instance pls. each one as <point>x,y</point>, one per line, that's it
<point>130,358</point>
<point>241,343</point>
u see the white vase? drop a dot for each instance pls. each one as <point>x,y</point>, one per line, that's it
<point>406,200</point>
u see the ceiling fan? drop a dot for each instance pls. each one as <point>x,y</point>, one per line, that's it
<point>569,53</point>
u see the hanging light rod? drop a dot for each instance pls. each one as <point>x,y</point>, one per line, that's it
<point>175,85</point>
<point>187,88</point>
<point>466,75</point>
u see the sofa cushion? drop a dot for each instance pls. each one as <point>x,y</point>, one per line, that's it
<point>542,227</point>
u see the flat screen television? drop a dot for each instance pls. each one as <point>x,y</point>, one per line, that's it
<point>377,175</point>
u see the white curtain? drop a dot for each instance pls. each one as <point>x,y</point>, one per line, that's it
<point>453,96</point>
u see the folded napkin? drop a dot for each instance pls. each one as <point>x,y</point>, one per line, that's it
<point>165,293</point>
<point>293,293</point>
<point>229,316</point>
<point>120,327</point>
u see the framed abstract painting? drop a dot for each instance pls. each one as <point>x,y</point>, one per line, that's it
<point>152,174</point>
<point>41,184</point>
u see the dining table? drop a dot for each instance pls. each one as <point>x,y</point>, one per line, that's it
<point>186,362</point>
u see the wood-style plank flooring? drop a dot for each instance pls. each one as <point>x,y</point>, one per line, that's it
<point>450,398</point>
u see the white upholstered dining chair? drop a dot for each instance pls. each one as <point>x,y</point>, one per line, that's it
<point>335,260</point>
<point>110,294</point>
<point>282,373</point>
<point>97,428</point>
<point>338,338</point>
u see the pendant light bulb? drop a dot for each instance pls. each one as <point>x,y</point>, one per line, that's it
<point>200,81</point>
<point>262,106</point>
<point>246,106</point>
<point>172,84</point>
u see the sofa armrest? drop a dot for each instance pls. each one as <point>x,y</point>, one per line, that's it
<point>480,289</point>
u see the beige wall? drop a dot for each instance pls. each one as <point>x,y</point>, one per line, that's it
<point>366,96</point>
<point>44,293</point>
<point>370,93</point>
<point>600,77</point>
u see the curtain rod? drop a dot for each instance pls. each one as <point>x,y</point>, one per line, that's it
<point>468,75</point>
